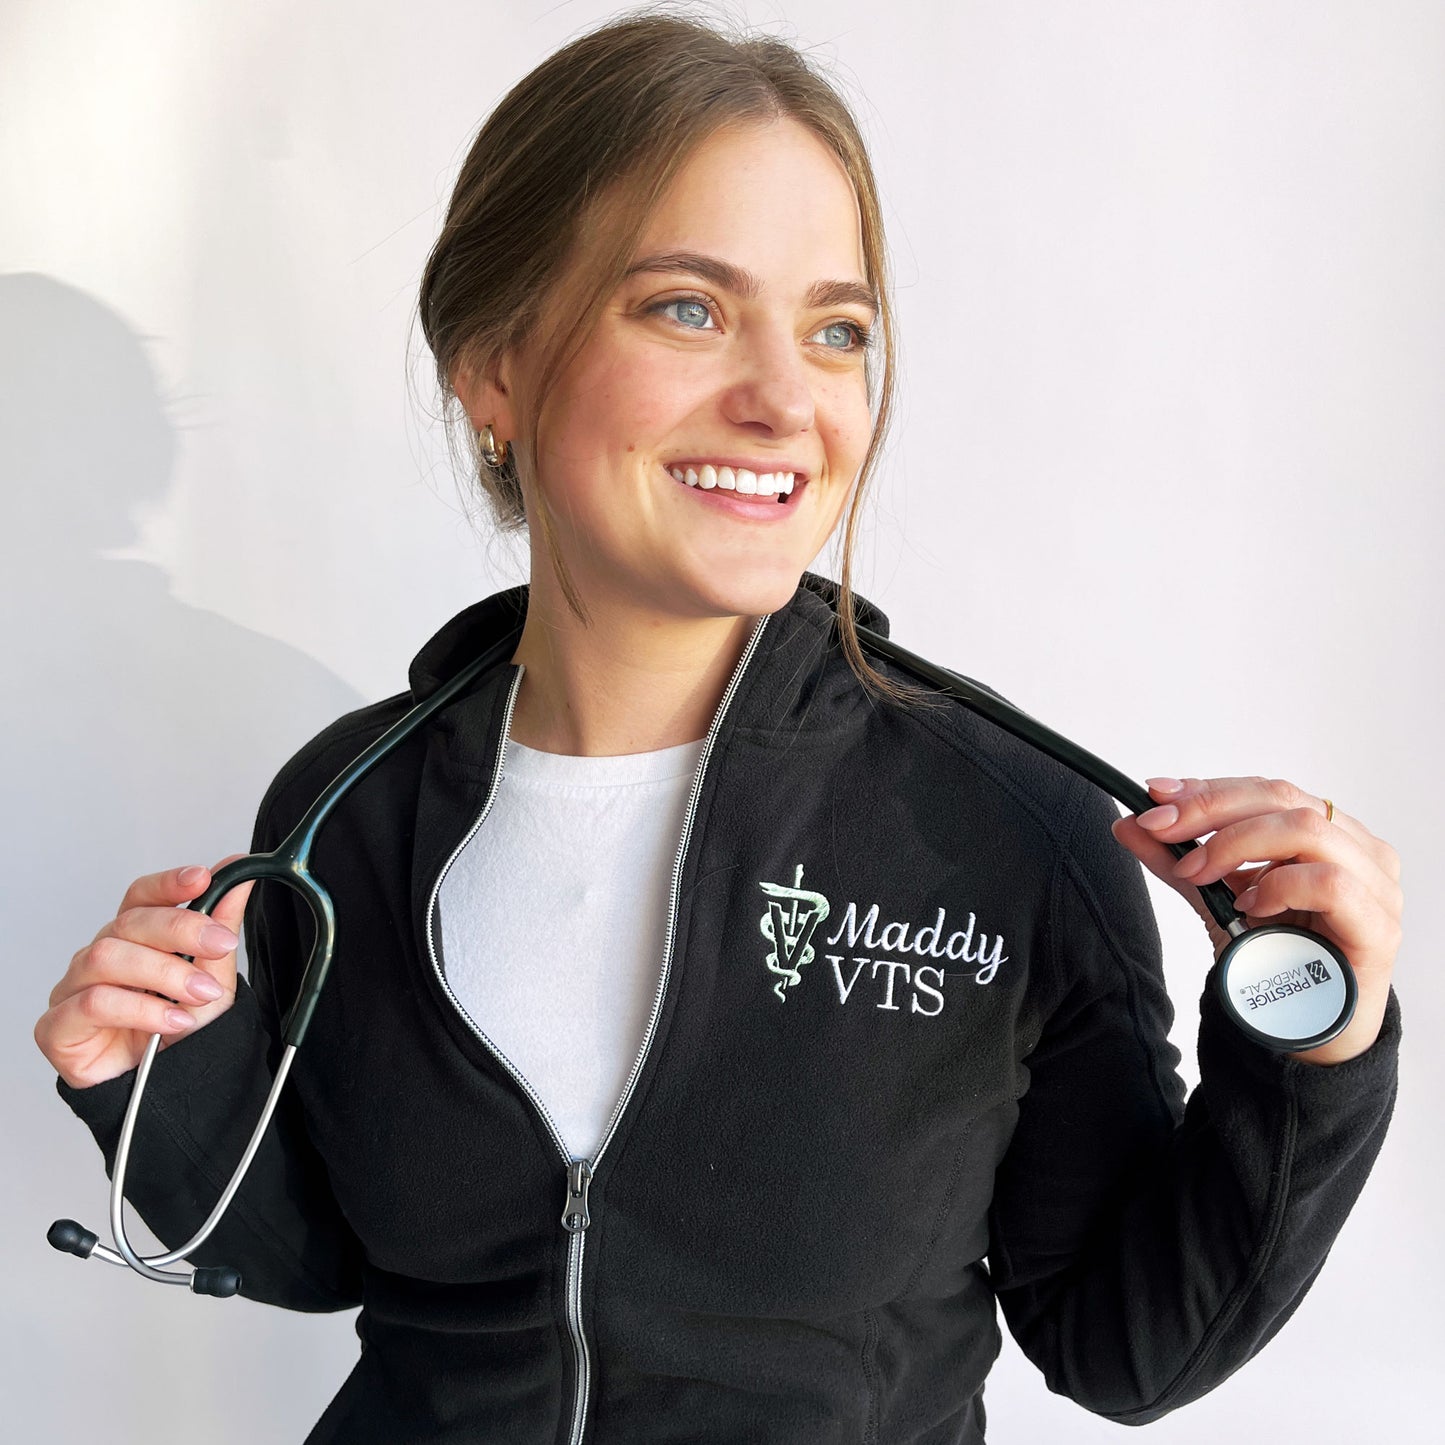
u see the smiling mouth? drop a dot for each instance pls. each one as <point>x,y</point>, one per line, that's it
<point>754,491</point>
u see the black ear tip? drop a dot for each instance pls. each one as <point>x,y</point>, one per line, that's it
<point>71,1238</point>
<point>219,1281</point>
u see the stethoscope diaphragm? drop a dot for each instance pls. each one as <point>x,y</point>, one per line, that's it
<point>1285,987</point>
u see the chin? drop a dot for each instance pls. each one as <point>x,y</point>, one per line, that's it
<point>749,592</point>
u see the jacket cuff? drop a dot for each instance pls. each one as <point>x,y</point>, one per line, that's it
<point>1224,1048</point>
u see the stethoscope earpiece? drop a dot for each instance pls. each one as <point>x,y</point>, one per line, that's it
<point>71,1238</point>
<point>1286,988</point>
<point>217,1281</point>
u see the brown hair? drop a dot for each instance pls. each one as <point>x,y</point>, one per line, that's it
<point>586,144</point>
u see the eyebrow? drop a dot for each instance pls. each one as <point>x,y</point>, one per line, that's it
<point>742,282</point>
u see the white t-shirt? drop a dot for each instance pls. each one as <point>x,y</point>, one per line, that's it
<point>554,916</point>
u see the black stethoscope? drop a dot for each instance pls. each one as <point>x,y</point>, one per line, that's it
<point>1288,989</point>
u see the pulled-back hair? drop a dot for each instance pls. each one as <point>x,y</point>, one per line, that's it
<point>557,191</point>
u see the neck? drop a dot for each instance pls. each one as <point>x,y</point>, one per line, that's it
<point>631,682</point>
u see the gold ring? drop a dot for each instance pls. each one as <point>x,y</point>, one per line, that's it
<point>1329,811</point>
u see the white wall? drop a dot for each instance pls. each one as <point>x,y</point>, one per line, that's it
<point>1167,472</point>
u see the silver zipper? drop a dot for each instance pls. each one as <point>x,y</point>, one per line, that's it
<point>573,1221</point>
<point>656,1013</point>
<point>576,1216</point>
<point>576,1213</point>
<point>431,909</point>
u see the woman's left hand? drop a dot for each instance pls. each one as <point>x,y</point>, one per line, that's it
<point>1335,878</point>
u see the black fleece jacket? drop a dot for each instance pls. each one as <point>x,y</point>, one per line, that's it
<point>908,1054</point>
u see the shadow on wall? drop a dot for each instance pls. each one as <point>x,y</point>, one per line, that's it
<point>140,734</point>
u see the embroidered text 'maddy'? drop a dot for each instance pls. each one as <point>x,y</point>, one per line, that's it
<point>791,921</point>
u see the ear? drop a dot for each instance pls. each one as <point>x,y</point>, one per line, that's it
<point>487,395</point>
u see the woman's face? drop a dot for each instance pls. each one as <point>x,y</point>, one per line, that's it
<point>734,342</point>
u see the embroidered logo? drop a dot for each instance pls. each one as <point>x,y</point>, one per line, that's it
<point>914,967</point>
<point>788,923</point>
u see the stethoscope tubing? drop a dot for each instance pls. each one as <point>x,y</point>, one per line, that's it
<point>1217,897</point>
<point>1306,950</point>
<point>289,864</point>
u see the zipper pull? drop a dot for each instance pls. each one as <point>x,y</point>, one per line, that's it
<point>575,1217</point>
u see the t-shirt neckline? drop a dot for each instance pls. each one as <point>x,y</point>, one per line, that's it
<point>619,770</point>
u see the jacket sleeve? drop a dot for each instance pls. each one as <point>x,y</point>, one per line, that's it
<point>1143,1248</point>
<point>284,1231</point>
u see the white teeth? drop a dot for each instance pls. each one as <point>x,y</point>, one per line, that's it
<point>738,479</point>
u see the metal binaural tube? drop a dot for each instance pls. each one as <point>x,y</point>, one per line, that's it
<point>153,1266</point>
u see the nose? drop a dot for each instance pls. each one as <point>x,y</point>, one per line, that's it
<point>771,391</point>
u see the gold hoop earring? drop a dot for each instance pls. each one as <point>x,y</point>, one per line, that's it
<point>493,453</point>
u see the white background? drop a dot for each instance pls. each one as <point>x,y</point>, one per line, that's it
<point>1167,472</point>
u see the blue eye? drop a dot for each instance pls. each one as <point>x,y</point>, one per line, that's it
<point>691,308</point>
<point>859,337</point>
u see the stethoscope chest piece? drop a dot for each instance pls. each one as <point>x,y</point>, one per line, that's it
<point>1287,988</point>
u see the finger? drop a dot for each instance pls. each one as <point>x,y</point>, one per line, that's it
<point>1249,876</point>
<point>1203,805</point>
<point>1300,833</point>
<point>117,961</point>
<point>1161,861</point>
<point>174,930</point>
<point>174,886</point>
<point>164,931</point>
<point>1364,929</point>
<point>1384,855</point>
<point>108,1006</point>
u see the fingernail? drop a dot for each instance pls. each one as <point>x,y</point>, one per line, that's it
<point>189,877</point>
<point>1165,785</point>
<point>178,1018</point>
<point>1157,818</point>
<point>1190,864</point>
<point>1246,900</point>
<point>216,938</point>
<point>204,987</point>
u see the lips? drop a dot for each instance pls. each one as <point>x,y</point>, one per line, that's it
<point>741,504</point>
<point>746,478</point>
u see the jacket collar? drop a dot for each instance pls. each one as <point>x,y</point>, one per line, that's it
<point>796,666</point>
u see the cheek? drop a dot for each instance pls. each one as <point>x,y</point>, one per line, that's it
<point>626,405</point>
<point>838,510</point>
<point>850,426</point>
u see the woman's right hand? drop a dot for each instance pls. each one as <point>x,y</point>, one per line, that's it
<point>128,983</point>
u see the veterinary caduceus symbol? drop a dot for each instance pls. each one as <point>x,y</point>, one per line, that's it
<point>788,923</point>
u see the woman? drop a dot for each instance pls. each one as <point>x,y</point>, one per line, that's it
<point>910,1013</point>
